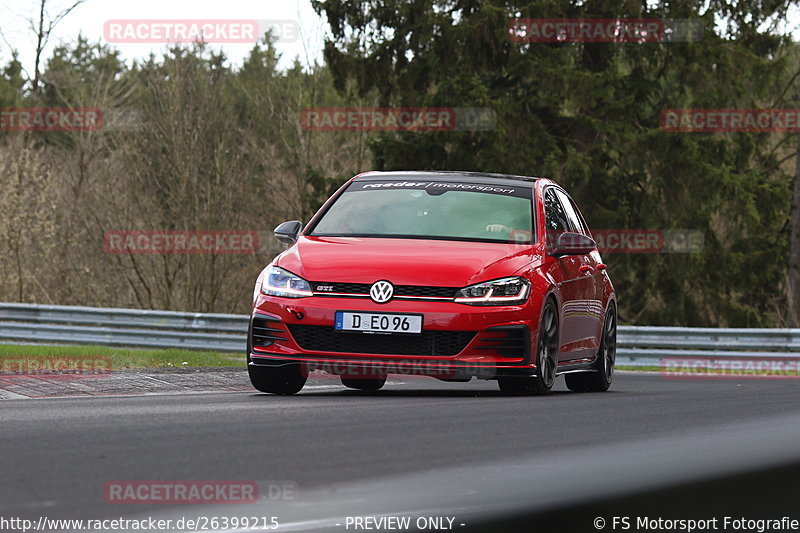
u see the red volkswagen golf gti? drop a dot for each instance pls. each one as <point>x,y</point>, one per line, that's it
<point>452,275</point>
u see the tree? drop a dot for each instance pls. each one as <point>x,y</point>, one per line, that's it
<point>27,198</point>
<point>11,84</point>
<point>588,115</point>
<point>793,281</point>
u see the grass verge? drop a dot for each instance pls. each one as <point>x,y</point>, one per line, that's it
<point>122,358</point>
<point>641,368</point>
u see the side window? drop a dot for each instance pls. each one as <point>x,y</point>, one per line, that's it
<point>574,218</point>
<point>556,221</point>
<point>582,218</point>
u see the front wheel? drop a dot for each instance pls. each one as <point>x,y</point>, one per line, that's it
<point>284,380</point>
<point>600,379</point>
<point>546,360</point>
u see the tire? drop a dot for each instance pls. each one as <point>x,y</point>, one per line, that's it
<point>600,379</point>
<point>365,384</point>
<point>284,380</point>
<point>546,360</point>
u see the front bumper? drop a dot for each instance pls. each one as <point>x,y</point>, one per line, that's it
<point>458,341</point>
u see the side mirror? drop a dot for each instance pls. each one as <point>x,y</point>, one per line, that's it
<point>288,232</point>
<point>569,243</point>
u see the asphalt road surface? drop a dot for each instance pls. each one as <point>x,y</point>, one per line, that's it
<point>419,447</point>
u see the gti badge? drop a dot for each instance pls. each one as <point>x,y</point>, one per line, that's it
<point>381,292</point>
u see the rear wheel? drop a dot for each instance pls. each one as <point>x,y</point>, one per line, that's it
<point>366,384</point>
<point>285,379</point>
<point>600,379</point>
<point>546,359</point>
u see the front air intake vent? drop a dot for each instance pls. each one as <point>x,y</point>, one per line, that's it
<point>266,330</point>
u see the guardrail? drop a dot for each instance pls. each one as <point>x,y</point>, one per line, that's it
<point>136,328</point>
<point>648,345</point>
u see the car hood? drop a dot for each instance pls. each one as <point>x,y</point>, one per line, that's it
<point>403,261</point>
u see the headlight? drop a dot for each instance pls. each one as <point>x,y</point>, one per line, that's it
<point>506,291</point>
<point>257,288</point>
<point>280,282</point>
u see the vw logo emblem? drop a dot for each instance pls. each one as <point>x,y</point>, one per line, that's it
<point>381,292</point>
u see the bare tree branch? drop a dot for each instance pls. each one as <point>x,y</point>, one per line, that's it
<point>43,35</point>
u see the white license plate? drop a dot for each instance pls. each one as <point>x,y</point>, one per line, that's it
<point>378,322</point>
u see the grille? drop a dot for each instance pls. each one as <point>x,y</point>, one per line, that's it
<point>399,290</point>
<point>350,288</point>
<point>266,331</point>
<point>327,339</point>
<point>418,290</point>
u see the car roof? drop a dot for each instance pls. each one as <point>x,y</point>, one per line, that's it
<point>449,175</point>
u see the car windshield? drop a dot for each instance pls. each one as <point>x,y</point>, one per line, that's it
<point>432,210</point>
